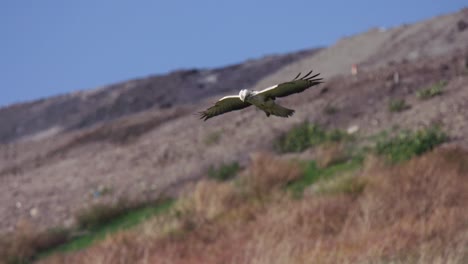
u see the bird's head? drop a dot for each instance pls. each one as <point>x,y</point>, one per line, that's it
<point>243,94</point>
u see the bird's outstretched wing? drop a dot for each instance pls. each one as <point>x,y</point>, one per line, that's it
<point>224,105</point>
<point>294,86</point>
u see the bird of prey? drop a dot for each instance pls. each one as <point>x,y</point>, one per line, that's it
<point>264,99</point>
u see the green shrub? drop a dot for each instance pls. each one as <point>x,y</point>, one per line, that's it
<point>224,171</point>
<point>336,135</point>
<point>99,215</point>
<point>397,105</point>
<point>330,110</point>
<point>130,215</point>
<point>346,184</point>
<point>307,135</point>
<point>408,144</point>
<point>313,174</point>
<point>431,91</point>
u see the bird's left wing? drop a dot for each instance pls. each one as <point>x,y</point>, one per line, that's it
<point>291,87</point>
<point>224,105</point>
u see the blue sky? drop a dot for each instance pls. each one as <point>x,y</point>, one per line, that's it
<point>51,47</point>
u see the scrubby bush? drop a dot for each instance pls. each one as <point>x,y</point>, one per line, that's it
<point>344,184</point>
<point>224,171</point>
<point>23,245</point>
<point>102,214</point>
<point>268,172</point>
<point>407,144</point>
<point>397,105</point>
<point>208,200</point>
<point>329,154</point>
<point>330,110</point>
<point>313,174</point>
<point>307,135</point>
<point>431,91</point>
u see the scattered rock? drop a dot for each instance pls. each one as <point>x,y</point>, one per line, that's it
<point>34,212</point>
<point>101,188</point>
<point>352,129</point>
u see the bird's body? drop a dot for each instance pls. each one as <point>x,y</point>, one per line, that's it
<point>268,105</point>
<point>264,99</point>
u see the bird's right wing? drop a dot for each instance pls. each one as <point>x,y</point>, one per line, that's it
<point>294,86</point>
<point>224,105</point>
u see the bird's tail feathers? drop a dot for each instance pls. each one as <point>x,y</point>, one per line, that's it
<point>281,111</point>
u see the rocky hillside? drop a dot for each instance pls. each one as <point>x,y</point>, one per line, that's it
<point>49,116</point>
<point>153,143</point>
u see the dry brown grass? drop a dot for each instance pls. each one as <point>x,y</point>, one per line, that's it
<point>208,200</point>
<point>268,172</point>
<point>26,241</point>
<point>421,203</point>
<point>330,153</point>
<point>416,212</point>
<point>19,245</point>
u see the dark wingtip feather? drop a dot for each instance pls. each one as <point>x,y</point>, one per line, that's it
<point>315,82</point>
<point>291,113</point>
<point>304,77</point>
<point>203,116</point>
<point>313,76</point>
<point>297,76</point>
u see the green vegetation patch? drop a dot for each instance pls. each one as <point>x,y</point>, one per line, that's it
<point>307,135</point>
<point>313,174</point>
<point>224,172</point>
<point>397,105</point>
<point>330,110</point>
<point>431,91</point>
<point>347,183</point>
<point>407,144</point>
<point>124,221</point>
<point>101,214</point>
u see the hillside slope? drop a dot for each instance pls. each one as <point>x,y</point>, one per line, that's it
<point>50,116</point>
<point>141,155</point>
<point>382,47</point>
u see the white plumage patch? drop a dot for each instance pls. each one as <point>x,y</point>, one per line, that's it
<point>268,89</point>
<point>229,96</point>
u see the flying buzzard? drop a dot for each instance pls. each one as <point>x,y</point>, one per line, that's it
<point>264,99</point>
